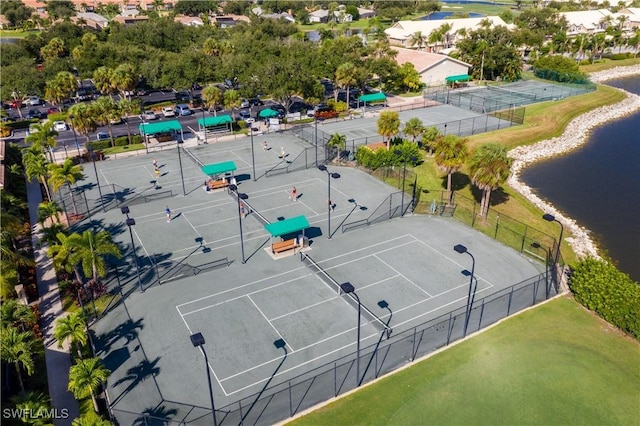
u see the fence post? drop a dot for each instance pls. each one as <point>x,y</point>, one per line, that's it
<point>335,379</point>
<point>524,237</point>
<point>495,234</point>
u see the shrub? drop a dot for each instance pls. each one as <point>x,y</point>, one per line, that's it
<point>22,124</point>
<point>121,141</point>
<point>58,116</point>
<point>99,145</point>
<point>621,56</point>
<point>136,139</point>
<point>601,287</point>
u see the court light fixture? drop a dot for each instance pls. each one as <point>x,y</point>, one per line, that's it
<point>348,288</point>
<point>330,175</point>
<point>197,340</point>
<point>125,210</point>
<point>131,222</point>
<point>459,248</point>
<point>551,218</point>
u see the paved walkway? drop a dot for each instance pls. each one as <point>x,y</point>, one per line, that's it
<point>58,360</point>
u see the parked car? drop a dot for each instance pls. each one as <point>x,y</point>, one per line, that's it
<point>183,95</point>
<point>53,110</point>
<point>34,113</point>
<point>118,120</point>
<point>282,111</point>
<point>183,109</point>
<point>32,101</point>
<point>102,136</point>
<point>255,102</point>
<point>245,103</point>
<point>149,115</point>
<point>244,115</point>
<point>168,112</point>
<point>59,126</point>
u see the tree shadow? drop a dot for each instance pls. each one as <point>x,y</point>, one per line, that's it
<point>458,181</point>
<point>158,416</point>
<point>498,196</point>
<point>128,330</point>
<point>136,375</point>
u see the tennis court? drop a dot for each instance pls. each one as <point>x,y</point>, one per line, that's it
<point>265,321</point>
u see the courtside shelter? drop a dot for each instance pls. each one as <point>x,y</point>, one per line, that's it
<point>219,124</point>
<point>372,98</point>
<point>285,227</point>
<point>151,129</point>
<point>214,170</point>
<point>453,79</point>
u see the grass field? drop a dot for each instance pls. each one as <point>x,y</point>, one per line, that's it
<point>555,365</point>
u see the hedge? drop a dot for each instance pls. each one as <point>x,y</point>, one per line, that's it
<point>99,145</point>
<point>601,287</point>
<point>22,124</point>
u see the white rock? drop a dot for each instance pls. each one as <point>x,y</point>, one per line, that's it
<point>575,134</point>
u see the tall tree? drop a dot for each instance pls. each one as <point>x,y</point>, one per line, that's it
<point>86,376</point>
<point>231,100</point>
<point>413,128</point>
<point>65,174</point>
<point>91,249</point>
<point>62,255</point>
<point>346,76</point>
<point>48,209</point>
<point>212,96</point>
<point>18,348</point>
<point>489,168</point>
<point>15,314</point>
<point>84,118</point>
<point>388,125</point>
<point>104,80</point>
<point>35,166</point>
<point>125,79</point>
<point>418,39</point>
<point>73,328</point>
<point>450,154</point>
<point>43,136</point>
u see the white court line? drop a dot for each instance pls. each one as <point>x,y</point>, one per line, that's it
<point>402,275</point>
<point>305,308</point>
<point>243,295</point>
<point>265,317</point>
<point>368,247</point>
<point>242,286</point>
<point>295,366</point>
<point>233,152</point>
<point>190,224</point>
<point>363,257</point>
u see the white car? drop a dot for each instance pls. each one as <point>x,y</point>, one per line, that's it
<point>59,126</point>
<point>32,101</point>
<point>168,112</point>
<point>149,115</point>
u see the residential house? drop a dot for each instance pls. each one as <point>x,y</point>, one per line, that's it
<point>285,16</point>
<point>319,16</point>
<point>4,22</point>
<point>189,21</point>
<point>366,13</point>
<point>433,68</point>
<point>632,15</point>
<point>91,20</point>
<point>228,21</point>
<point>130,20</point>
<point>587,21</point>
<point>401,32</point>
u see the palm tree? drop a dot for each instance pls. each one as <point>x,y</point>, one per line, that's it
<point>413,127</point>
<point>33,402</point>
<point>61,87</point>
<point>450,154</point>
<point>212,96</point>
<point>429,137</point>
<point>48,209</point>
<point>211,47</point>
<point>90,419</point>
<point>90,248</point>
<point>417,38</point>
<point>337,141</point>
<point>346,76</point>
<point>126,107</point>
<point>54,49</point>
<point>15,314</point>
<point>107,111</point>
<point>35,166</point>
<point>489,168</point>
<point>231,100</point>
<point>18,348</point>
<point>73,328</point>
<point>104,81</point>
<point>84,118</point>
<point>43,136</point>
<point>65,174</point>
<point>388,125</point>
<point>62,255</point>
<point>124,77</point>
<point>86,376</point>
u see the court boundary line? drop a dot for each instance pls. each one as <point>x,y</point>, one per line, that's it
<point>268,321</point>
<point>403,276</point>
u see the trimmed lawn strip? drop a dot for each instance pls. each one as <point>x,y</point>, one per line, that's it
<point>556,364</point>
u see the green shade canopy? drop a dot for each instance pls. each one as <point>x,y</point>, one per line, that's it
<point>215,121</point>
<point>268,113</point>
<point>159,127</point>
<point>219,168</point>
<point>287,226</point>
<point>454,78</point>
<point>373,97</point>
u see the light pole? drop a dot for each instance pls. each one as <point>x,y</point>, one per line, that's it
<point>197,340</point>
<point>75,135</point>
<point>551,218</point>
<point>315,120</point>
<point>204,127</point>
<point>404,176</point>
<point>253,157</point>
<point>239,196</point>
<point>459,248</point>
<point>349,289</point>
<point>144,125</point>
<point>184,191</point>
<point>95,169</point>
<point>131,222</point>
<point>329,176</point>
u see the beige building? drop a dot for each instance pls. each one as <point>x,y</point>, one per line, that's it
<point>433,68</point>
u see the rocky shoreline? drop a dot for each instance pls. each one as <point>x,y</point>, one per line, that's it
<point>576,134</point>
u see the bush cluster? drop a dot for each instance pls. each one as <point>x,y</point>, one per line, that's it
<point>372,160</point>
<point>601,287</point>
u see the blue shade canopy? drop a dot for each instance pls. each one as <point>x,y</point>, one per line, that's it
<point>287,226</point>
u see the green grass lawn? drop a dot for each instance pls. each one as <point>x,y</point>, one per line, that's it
<point>555,365</point>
